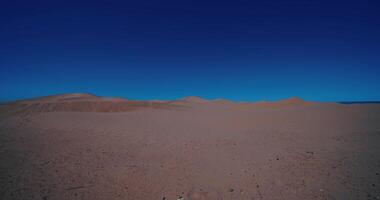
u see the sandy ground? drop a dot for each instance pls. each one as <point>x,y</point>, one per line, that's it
<point>192,149</point>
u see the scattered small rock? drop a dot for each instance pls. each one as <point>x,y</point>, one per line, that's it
<point>180,198</point>
<point>232,190</point>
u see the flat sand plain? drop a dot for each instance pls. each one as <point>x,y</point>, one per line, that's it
<point>81,146</point>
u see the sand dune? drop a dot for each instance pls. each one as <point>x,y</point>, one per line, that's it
<point>81,146</point>
<point>82,103</point>
<point>79,102</point>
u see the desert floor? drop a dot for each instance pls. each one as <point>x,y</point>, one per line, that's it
<point>204,150</point>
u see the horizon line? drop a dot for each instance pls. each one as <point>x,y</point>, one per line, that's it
<point>188,96</point>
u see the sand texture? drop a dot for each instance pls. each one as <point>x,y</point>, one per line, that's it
<point>80,146</point>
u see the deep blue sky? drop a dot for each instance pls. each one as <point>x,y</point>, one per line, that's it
<point>241,50</point>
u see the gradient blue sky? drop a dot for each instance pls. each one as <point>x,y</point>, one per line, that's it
<point>241,50</point>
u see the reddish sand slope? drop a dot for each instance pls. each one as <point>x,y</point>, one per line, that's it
<point>81,146</point>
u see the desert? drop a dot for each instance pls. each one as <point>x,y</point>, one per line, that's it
<point>82,146</point>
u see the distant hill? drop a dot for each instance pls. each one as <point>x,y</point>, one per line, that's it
<point>84,102</point>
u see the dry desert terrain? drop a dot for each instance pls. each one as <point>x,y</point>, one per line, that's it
<point>81,146</point>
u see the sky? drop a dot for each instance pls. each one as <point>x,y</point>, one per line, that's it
<point>321,50</point>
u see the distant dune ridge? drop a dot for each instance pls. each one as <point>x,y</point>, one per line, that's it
<point>84,102</point>
<point>81,102</point>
